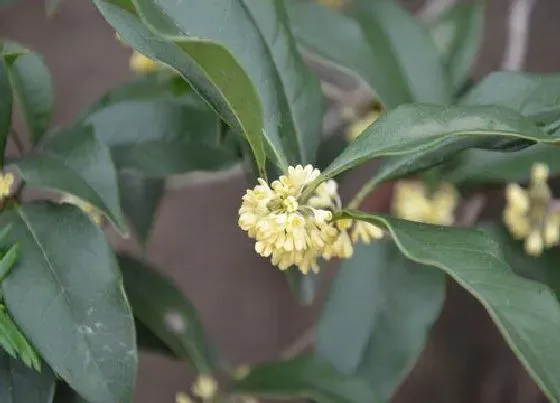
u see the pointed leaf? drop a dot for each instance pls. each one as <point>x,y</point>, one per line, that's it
<point>15,344</point>
<point>308,377</point>
<point>163,309</point>
<point>458,36</point>
<point>380,42</point>
<point>161,137</point>
<point>20,384</point>
<point>33,88</point>
<point>424,135</point>
<point>378,313</point>
<point>140,197</point>
<point>6,102</point>
<point>527,313</point>
<point>66,295</point>
<point>76,162</point>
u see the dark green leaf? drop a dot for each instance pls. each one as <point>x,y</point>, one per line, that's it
<point>76,162</point>
<point>163,309</point>
<point>379,311</point>
<point>33,88</point>
<point>458,36</point>
<point>162,136</point>
<point>20,384</point>
<point>140,197</point>
<point>383,44</point>
<point>65,394</point>
<point>424,135</point>
<point>66,295</point>
<point>304,286</point>
<point>527,313</point>
<point>6,101</point>
<point>483,166</point>
<point>308,377</point>
<point>148,341</point>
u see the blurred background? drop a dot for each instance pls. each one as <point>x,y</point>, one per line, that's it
<point>246,306</point>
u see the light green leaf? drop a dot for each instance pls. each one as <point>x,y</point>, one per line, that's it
<point>257,35</point>
<point>140,197</point>
<point>458,34</point>
<point>6,102</point>
<point>306,377</point>
<point>161,137</point>
<point>21,384</point>
<point>163,309</point>
<point>483,166</point>
<point>76,162</point>
<point>381,42</point>
<point>527,313</point>
<point>425,135</point>
<point>66,295</point>
<point>33,88</point>
<point>15,344</point>
<point>378,313</point>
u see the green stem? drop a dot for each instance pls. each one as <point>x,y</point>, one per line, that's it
<point>362,193</point>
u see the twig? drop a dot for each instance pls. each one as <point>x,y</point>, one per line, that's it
<point>471,210</point>
<point>518,34</point>
<point>299,344</point>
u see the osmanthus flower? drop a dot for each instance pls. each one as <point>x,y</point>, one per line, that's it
<point>290,230</point>
<point>6,183</point>
<point>205,387</point>
<point>413,201</point>
<point>142,64</point>
<point>528,215</point>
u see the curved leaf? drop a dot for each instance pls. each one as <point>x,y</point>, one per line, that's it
<point>140,197</point>
<point>309,377</point>
<point>33,88</point>
<point>425,135</point>
<point>380,42</point>
<point>162,136</point>
<point>378,313</point>
<point>76,162</point>
<point>161,307</point>
<point>66,295</point>
<point>527,313</point>
<point>6,102</point>
<point>20,384</point>
<point>458,34</point>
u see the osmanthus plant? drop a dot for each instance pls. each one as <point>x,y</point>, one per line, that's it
<point>223,83</point>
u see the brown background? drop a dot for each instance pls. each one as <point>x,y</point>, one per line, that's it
<point>246,307</point>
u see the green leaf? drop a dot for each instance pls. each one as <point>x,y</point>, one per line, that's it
<point>148,341</point>
<point>15,344</point>
<point>78,318</point>
<point>527,313</point>
<point>163,309</point>
<point>76,162</point>
<point>161,137</point>
<point>6,101</point>
<point>483,166</point>
<point>378,313</point>
<point>425,135</point>
<point>21,384</point>
<point>65,394</point>
<point>307,377</point>
<point>304,286</point>
<point>381,42</point>
<point>33,88</point>
<point>140,196</point>
<point>458,34</point>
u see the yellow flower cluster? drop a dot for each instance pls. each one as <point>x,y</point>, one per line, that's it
<point>142,64</point>
<point>6,183</point>
<point>527,215</point>
<point>86,207</point>
<point>412,201</point>
<point>296,232</point>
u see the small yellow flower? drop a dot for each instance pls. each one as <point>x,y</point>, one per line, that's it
<point>534,244</point>
<point>205,387</point>
<point>142,64</point>
<point>86,207</point>
<point>6,183</point>
<point>413,202</point>
<point>182,397</point>
<point>366,232</point>
<point>241,372</point>
<point>358,127</point>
